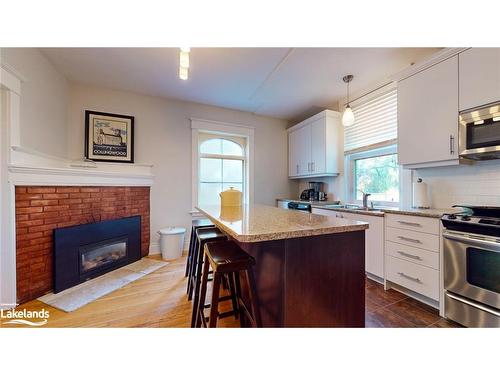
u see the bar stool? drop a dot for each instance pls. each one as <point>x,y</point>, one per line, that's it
<point>203,236</point>
<point>227,259</point>
<point>199,223</point>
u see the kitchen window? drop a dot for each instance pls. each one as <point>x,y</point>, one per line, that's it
<point>221,166</point>
<point>377,173</point>
<point>371,152</point>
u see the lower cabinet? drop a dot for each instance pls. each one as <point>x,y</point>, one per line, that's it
<point>412,255</point>
<point>374,238</point>
<point>420,279</point>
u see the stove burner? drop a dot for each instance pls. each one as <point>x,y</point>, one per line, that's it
<point>474,219</point>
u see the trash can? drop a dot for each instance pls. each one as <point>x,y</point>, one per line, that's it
<point>171,242</point>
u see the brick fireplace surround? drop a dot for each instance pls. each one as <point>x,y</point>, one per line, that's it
<point>40,209</point>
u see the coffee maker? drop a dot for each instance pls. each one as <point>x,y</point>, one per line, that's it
<point>314,193</point>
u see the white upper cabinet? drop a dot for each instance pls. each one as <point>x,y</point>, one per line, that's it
<point>304,150</point>
<point>428,116</point>
<point>315,145</point>
<point>479,76</point>
<point>293,154</point>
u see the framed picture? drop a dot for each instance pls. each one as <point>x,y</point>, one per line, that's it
<point>109,137</point>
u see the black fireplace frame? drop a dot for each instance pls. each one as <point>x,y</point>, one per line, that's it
<point>69,241</point>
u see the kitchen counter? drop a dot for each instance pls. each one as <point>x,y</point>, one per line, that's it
<point>309,269</point>
<point>424,212</point>
<point>254,223</point>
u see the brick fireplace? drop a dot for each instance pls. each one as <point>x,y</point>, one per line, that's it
<point>40,209</point>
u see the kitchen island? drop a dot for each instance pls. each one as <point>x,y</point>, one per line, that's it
<point>310,269</point>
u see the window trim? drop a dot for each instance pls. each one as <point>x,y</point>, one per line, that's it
<point>199,126</point>
<point>349,167</point>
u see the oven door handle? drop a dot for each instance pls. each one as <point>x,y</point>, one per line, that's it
<point>476,305</point>
<point>473,240</point>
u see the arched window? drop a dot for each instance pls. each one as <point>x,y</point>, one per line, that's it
<point>221,166</point>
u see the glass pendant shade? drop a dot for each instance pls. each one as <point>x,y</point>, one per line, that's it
<point>348,116</point>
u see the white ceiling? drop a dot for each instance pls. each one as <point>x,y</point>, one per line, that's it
<point>286,83</point>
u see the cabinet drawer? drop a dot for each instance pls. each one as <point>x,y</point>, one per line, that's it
<point>410,238</point>
<point>413,254</point>
<point>420,279</point>
<point>416,223</point>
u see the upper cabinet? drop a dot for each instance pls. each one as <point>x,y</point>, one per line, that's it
<point>479,77</point>
<point>315,145</point>
<point>428,116</point>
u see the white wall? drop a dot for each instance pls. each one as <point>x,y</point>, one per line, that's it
<point>44,101</point>
<point>476,184</point>
<point>163,138</point>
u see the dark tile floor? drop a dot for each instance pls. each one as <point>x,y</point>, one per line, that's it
<point>391,309</point>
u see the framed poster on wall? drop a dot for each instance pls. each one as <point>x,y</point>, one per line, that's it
<point>109,137</point>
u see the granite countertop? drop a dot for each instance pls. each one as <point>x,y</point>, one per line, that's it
<point>256,223</point>
<point>424,212</point>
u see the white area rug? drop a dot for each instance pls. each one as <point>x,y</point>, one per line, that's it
<point>80,295</point>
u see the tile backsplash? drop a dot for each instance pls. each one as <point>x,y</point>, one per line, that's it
<point>476,184</point>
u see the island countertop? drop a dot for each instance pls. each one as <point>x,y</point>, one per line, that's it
<point>257,223</point>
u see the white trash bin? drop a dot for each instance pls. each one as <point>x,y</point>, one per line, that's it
<point>171,242</point>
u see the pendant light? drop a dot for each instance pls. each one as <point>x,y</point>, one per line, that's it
<point>348,116</point>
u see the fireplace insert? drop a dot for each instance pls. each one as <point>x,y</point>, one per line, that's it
<point>86,251</point>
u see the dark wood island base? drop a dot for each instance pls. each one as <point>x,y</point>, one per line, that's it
<point>310,269</point>
<point>316,281</point>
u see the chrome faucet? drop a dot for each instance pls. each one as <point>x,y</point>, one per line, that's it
<point>365,199</point>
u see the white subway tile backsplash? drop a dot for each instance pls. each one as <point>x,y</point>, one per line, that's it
<point>477,184</point>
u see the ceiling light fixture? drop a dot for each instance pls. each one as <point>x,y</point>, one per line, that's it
<point>348,116</point>
<point>184,63</point>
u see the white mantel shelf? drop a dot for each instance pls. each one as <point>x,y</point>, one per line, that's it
<point>30,176</point>
<point>31,168</point>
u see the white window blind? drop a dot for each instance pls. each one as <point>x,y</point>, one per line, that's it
<point>375,122</point>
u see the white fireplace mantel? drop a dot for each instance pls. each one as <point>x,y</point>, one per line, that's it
<point>29,167</point>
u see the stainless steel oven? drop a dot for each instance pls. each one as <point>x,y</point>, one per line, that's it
<point>479,133</point>
<point>472,278</point>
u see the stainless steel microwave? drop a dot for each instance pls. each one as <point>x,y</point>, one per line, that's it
<point>479,133</point>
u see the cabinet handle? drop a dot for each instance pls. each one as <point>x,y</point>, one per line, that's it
<point>297,169</point>
<point>409,255</point>
<point>312,166</point>
<point>452,146</point>
<point>416,279</point>
<point>409,223</point>
<point>409,239</point>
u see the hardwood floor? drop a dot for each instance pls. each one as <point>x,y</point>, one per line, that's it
<point>391,309</point>
<point>159,300</point>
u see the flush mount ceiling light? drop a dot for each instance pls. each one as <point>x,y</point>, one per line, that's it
<point>184,63</point>
<point>348,116</point>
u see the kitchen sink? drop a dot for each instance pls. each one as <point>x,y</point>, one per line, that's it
<point>355,207</point>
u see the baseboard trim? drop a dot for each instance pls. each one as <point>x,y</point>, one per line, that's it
<point>154,248</point>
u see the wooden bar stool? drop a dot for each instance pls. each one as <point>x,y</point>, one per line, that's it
<point>227,259</point>
<point>199,223</point>
<point>203,236</point>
